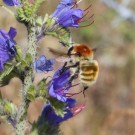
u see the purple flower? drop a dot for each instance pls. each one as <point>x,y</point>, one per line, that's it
<point>52,118</point>
<point>67,15</point>
<point>11,2</point>
<point>59,85</point>
<point>63,4</point>
<point>7,46</point>
<point>49,115</point>
<point>42,64</point>
<point>70,102</point>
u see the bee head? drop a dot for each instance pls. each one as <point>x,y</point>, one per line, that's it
<point>81,50</point>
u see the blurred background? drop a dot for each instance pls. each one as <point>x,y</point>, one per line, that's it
<point>110,103</point>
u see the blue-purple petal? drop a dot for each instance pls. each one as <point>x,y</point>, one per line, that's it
<point>71,102</point>
<point>12,32</point>
<point>42,64</point>
<point>49,115</point>
<point>7,47</point>
<point>63,4</point>
<point>71,18</point>
<point>67,16</point>
<point>11,2</point>
<point>59,85</point>
<point>57,95</point>
<point>62,80</point>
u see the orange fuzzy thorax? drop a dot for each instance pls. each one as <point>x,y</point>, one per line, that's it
<point>83,50</point>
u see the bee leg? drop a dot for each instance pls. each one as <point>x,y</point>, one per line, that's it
<point>64,65</point>
<point>64,68</point>
<point>74,66</point>
<point>75,76</point>
<point>84,89</point>
<point>72,78</point>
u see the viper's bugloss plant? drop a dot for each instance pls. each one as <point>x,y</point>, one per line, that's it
<point>58,104</point>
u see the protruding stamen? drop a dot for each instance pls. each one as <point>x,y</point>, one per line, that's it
<point>61,91</point>
<point>86,25</point>
<point>88,7</point>
<point>73,94</point>
<point>75,4</point>
<point>83,16</point>
<point>77,109</point>
<point>79,1</point>
<point>80,20</point>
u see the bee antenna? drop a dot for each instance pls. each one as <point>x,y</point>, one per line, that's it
<point>64,68</point>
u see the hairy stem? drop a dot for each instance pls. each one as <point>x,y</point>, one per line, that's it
<point>21,116</point>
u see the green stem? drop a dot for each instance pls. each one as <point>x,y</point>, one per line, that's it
<point>21,115</point>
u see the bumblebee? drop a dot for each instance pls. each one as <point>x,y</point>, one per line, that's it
<point>87,68</point>
<point>82,64</point>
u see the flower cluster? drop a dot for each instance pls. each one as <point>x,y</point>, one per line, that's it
<point>67,15</point>
<point>58,87</point>
<point>7,46</point>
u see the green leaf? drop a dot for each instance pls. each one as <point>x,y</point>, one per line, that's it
<point>24,64</point>
<point>45,18</point>
<point>6,72</point>
<point>36,6</point>
<point>19,53</point>
<point>27,12</point>
<point>28,58</point>
<point>34,131</point>
<point>58,106</point>
<point>9,107</point>
<point>39,21</point>
<point>31,93</point>
<point>6,75</point>
<point>42,88</point>
<point>10,71</point>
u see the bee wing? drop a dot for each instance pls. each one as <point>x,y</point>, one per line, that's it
<point>63,59</point>
<point>61,56</point>
<point>57,52</point>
